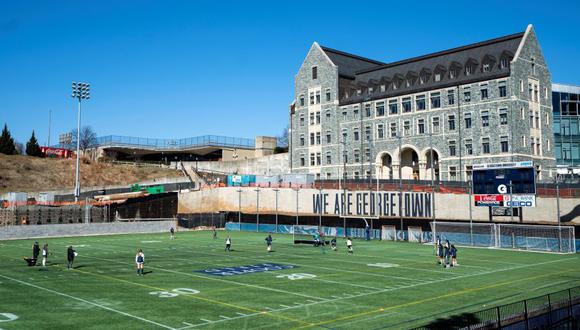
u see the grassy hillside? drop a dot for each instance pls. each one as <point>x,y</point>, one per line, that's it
<point>24,173</point>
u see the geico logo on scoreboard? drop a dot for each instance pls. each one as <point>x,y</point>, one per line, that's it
<point>504,200</point>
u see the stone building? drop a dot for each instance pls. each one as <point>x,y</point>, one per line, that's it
<point>481,103</point>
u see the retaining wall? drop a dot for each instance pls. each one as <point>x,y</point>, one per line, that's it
<point>63,230</point>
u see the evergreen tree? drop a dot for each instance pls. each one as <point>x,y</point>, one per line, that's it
<point>7,142</point>
<point>32,147</point>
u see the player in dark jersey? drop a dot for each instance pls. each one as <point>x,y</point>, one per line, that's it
<point>269,243</point>
<point>333,244</point>
<point>172,233</point>
<point>70,257</point>
<point>453,251</point>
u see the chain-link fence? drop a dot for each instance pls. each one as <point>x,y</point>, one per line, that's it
<point>558,310</point>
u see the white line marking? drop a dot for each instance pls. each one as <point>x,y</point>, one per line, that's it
<point>87,302</point>
<point>186,323</point>
<point>242,314</point>
<point>285,306</point>
<point>207,321</point>
<point>224,317</point>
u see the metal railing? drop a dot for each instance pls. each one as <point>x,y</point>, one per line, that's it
<point>175,144</point>
<point>554,310</point>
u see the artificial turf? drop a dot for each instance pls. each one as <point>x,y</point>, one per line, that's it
<point>381,285</point>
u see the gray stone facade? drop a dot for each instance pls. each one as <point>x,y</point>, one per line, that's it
<point>343,103</point>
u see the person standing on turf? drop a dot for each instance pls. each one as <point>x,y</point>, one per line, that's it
<point>140,260</point>
<point>44,255</point>
<point>439,250</point>
<point>228,244</point>
<point>269,243</point>
<point>333,244</point>
<point>453,256</point>
<point>35,252</point>
<point>214,233</point>
<point>70,256</point>
<point>172,232</point>
<point>349,245</point>
<point>447,254</point>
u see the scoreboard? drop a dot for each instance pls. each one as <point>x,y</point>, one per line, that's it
<point>504,184</point>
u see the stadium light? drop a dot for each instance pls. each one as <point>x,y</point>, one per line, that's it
<point>80,91</point>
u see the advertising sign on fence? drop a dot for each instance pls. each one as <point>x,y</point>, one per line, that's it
<point>504,200</point>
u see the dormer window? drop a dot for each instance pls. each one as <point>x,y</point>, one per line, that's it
<point>468,70</point>
<point>424,76</point>
<point>470,67</point>
<point>437,77</point>
<point>503,63</point>
<point>487,63</point>
<point>370,90</point>
<point>486,67</point>
<point>383,87</point>
<point>452,73</point>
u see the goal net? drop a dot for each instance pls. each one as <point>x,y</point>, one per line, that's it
<point>461,233</point>
<point>537,238</point>
<point>508,236</point>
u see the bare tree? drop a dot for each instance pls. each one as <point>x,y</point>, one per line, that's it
<point>283,137</point>
<point>88,138</point>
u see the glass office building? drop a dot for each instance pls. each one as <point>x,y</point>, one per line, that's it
<point>566,105</point>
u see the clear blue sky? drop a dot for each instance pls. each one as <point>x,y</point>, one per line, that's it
<point>174,69</point>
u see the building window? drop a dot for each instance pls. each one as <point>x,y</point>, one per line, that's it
<point>547,119</point>
<point>311,139</point>
<point>533,145</point>
<point>467,118</point>
<point>393,109</point>
<point>312,160</point>
<point>367,110</point>
<point>453,73</point>
<point>312,122</point>
<point>451,97</point>
<point>368,133</point>
<point>438,76</point>
<point>421,126</point>
<point>530,91</point>
<point>521,86</point>
<point>317,97</point>
<point>355,112</point>
<point>533,65</point>
<point>318,158</point>
<point>522,113</point>
<point>435,125</point>
<point>451,122</point>
<point>503,119</point>
<point>328,98</point>
<point>486,67</point>
<point>504,144</point>
<point>328,160</point>
<point>380,108</point>
<point>435,100</point>
<point>485,118</point>
<point>531,119</point>
<point>327,115</point>
<point>345,159</point>
<point>311,98</point>
<point>469,147</point>
<point>302,161</point>
<point>356,156</point>
<point>301,120</point>
<point>393,130</point>
<point>367,154</point>
<point>301,100</point>
<point>467,96</point>
<point>502,89</point>
<point>537,120</point>
<point>452,148</point>
<point>468,70</point>
<point>523,141</point>
<point>406,104</point>
<point>383,88</point>
<point>327,176</point>
<point>484,94</point>
<point>314,72</point>
<point>356,175</point>
<point>380,131</point>
<point>318,117</point>
<point>328,137</point>
<point>452,173</point>
<point>485,146</point>
<point>407,128</point>
<point>503,63</point>
<point>344,115</point>
<point>344,135</point>
<point>302,140</point>
<point>356,136</point>
<point>420,101</point>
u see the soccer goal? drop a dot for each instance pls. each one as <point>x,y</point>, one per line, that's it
<point>559,239</point>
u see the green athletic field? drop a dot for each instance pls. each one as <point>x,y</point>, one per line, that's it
<point>381,285</point>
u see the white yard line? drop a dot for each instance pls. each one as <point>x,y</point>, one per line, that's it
<point>88,302</point>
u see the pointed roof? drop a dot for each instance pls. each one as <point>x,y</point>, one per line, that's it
<point>349,64</point>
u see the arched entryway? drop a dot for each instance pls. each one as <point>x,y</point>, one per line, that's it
<point>435,171</point>
<point>385,168</point>
<point>409,164</point>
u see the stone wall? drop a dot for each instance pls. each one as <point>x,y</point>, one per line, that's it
<point>267,165</point>
<point>64,230</point>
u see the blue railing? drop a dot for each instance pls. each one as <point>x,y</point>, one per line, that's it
<point>193,142</point>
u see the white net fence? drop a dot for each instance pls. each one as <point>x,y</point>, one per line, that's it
<point>509,236</point>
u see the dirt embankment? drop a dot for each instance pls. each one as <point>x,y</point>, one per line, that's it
<point>24,173</point>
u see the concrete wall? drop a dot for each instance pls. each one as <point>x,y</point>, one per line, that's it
<point>416,205</point>
<point>38,231</point>
<point>268,165</point>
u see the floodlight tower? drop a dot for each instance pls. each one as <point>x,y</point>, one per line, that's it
<point>80,91</point>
